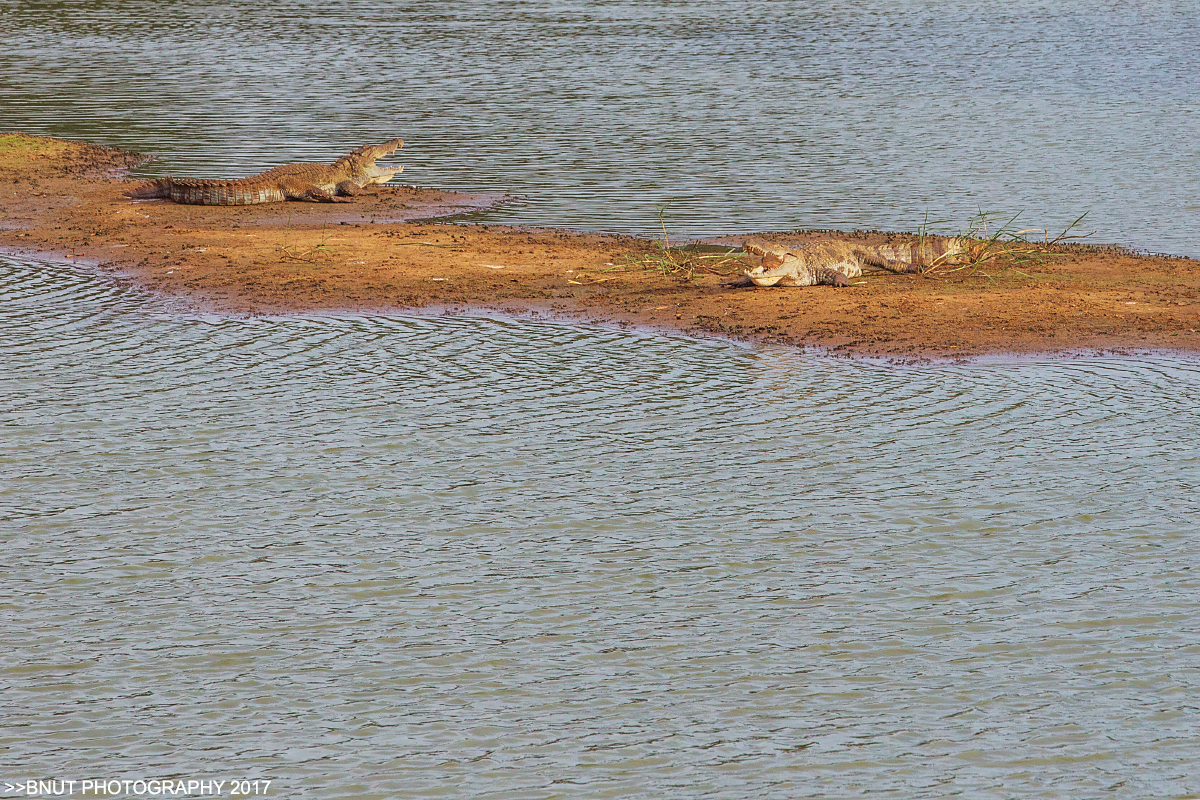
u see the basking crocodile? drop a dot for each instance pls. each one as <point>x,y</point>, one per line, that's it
<point>835,262</point>
<point>313,182</point>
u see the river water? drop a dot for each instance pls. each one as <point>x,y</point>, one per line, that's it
<point>375,556</point>
<point>734,115</point>
<point>388,556</point>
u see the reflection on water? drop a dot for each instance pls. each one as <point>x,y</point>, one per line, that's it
<point>742,116</point>
<point>401,557</point>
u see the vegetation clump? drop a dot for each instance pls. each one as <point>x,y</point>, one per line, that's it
<point>1005,248</point>
<point>684,263</point>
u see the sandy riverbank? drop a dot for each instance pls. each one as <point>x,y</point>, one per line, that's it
<point>375,253</point>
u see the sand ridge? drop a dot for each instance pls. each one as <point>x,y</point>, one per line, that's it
<point>385,251</point>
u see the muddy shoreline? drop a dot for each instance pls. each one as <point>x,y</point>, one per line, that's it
<point>384,252</point>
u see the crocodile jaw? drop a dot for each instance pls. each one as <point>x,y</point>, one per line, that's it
<point>762,278</point>
<point>381,175</point>
<point>360,163</point>
<point>771,272</point>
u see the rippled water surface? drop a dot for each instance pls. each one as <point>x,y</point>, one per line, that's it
<point>739,115</point>
<point>377,557</point>
<point>405,557</point>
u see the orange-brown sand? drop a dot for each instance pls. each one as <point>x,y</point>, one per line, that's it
<point>65,198</point>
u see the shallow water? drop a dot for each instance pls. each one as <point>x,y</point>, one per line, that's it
<point>379,556</point>
<point>736,116</point>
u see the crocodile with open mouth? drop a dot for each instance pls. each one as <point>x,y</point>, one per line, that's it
<point>321,183</point>
<point>833,263</point>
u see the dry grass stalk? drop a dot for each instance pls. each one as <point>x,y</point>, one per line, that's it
<point>1003,251</point>
<point>292,252</point>
<point>683,263</point>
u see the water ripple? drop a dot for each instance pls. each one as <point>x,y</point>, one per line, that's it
<point>736,116</point>
<point>388,556</point>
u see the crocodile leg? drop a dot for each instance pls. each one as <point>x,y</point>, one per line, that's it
<point>831,277</point>
<point>877,259</point>
<point>315,194</point>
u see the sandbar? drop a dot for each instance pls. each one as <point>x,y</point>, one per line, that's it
<point>404,249</point>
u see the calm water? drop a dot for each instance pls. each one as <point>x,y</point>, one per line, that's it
<point>380,557</point>
<point>742,116</point>
<point>403,557</point>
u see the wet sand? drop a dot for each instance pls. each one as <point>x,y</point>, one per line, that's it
<point>383,251</point>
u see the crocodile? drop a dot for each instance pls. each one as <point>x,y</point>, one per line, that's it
<point>313,182</point>
<point>833,263</point>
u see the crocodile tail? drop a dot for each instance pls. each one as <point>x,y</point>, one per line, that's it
<point>244,192</point>
<point>191,191</point>
<point>932,250</point>
<point>927,252</point>
<point>154,190</point>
